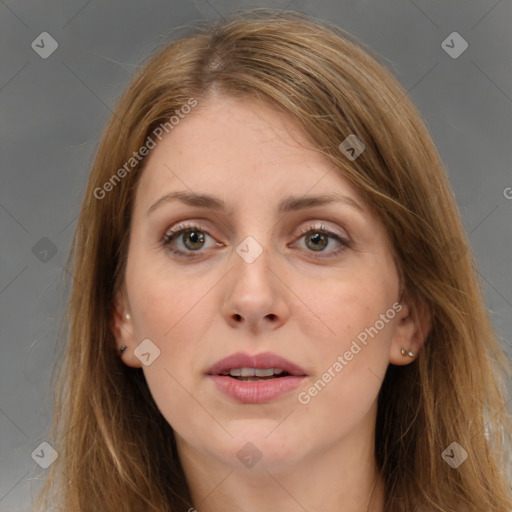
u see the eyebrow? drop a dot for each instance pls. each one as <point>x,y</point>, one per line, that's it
<point>288,204</point>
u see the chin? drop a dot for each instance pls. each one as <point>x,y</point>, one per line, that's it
<point>257,447</point>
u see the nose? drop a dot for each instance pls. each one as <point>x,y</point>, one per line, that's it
<point>255,299</point>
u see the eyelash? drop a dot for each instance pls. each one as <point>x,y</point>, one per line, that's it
<point>170,236</point>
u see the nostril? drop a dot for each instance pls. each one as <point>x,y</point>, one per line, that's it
<point>271,316</point>
<point>237,317</point>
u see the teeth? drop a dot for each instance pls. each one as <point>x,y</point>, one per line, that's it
<point>264,373</point>
<point>255,372</point>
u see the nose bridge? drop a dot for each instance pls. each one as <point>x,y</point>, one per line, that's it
<point>253,252</point>
<point>254,297</point>
<point>251,272</point>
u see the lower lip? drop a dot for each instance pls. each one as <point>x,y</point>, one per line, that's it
<point>256,392</point>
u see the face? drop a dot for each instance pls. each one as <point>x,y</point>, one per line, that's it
<point>264,288</point>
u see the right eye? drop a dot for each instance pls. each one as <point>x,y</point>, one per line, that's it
<point>185,240</point>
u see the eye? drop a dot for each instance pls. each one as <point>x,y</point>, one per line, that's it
<point>185,240</point>
<point>191,240</point>
<point>321,240</point>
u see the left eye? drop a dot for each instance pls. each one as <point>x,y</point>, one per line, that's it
<point>318,239</point>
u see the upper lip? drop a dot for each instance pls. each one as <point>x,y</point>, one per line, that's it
<point>264,360</point>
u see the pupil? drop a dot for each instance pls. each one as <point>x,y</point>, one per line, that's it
<point>319,241</point>
<point>193,239</point>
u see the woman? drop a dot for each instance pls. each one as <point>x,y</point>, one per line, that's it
<point>273,304</point>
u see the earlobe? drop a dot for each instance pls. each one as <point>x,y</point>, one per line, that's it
<point>411,330</point>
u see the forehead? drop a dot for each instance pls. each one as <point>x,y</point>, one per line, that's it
<point>236,148</point>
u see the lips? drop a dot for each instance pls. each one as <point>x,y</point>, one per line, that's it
<point>262,362</point>
<point>255,379</point>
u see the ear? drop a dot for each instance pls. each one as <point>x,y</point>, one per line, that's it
<point>413,323</point>
<point>123,330</point>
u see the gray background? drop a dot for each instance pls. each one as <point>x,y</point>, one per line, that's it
<point>54,110</point>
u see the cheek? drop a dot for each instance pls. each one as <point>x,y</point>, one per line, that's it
<point>349,364</point>
<point>350,305</point>
<point>166,309</point>
<point>352,353</point>
<point>171,311</point>
<point>163,302</point>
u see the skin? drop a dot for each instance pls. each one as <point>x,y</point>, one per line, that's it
<point>292,300</point>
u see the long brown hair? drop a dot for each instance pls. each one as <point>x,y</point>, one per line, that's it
<point>116,451</point>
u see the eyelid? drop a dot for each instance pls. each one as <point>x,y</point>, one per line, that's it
<point>321,227</point>
<point>182,226</point>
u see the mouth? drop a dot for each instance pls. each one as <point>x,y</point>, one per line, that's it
<point>255,379</point>
<point>255,374</point>
<point>266,365</point>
